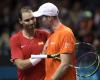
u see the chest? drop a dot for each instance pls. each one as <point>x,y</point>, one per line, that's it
<point>53,44</point>
<point>33,46</point>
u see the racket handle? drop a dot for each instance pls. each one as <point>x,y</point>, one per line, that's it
<point>50,56</point>
<point>43,56</point>
<point>39,56</point>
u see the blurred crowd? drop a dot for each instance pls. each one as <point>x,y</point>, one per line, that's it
<point>83,16</point>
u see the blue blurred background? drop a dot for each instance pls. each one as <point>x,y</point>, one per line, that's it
<point>83,16</point>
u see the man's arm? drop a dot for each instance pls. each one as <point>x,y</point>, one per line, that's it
<point>65,61</point>
<point>27,63</point>
<point>17,56</point>
<point>22,64</point>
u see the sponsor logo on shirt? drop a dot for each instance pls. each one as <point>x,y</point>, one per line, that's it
<point>52,43</point>
<point>40,43</point>
<point>67,45</point>
<point>22,46</point>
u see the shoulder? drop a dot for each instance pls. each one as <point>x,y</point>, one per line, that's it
<point>42,32</point>
<point>66,31</point>
<point>15,36</point>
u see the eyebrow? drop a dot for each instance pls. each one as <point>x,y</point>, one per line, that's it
<point>29,19</point>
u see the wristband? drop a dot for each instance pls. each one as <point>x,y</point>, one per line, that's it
<point>34,61</point>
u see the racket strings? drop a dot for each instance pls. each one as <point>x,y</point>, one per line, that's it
<point>83,47</point>
<point>87,60</point>
<point>90,71</point>
<point>88,63</point>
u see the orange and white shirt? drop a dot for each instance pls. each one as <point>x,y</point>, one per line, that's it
<point>61,41</point>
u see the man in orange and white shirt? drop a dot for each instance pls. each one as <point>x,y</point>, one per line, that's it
<point>61,40</point>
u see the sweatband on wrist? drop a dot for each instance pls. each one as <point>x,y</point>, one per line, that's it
<point>34,61</point>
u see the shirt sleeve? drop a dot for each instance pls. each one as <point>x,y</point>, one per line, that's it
<point>67,43</point>
<point>15,48</point>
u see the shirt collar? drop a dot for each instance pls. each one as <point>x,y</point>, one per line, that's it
<point>59,27</point>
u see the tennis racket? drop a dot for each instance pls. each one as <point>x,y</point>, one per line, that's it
<point>88,60</point>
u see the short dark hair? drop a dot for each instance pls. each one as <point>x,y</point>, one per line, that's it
<point>24,9</point>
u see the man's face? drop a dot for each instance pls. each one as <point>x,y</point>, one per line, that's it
<point>45,22</point>
<point>28,20</point>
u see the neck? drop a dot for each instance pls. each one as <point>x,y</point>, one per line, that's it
<point>55,25</point>
<point>28,34</point>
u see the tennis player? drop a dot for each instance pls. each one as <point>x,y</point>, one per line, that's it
<point>26,42</point>
<point>61,40</point>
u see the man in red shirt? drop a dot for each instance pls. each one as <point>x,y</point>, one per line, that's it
<point>26,42</point>
<point>61,40</point>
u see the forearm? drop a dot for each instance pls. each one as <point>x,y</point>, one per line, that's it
<point>60,72</point>
<point>23,64</point>
<point>63,67</point>
<point>27,63</point>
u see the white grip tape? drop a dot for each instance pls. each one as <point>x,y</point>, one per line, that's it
<point>38,56</point>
